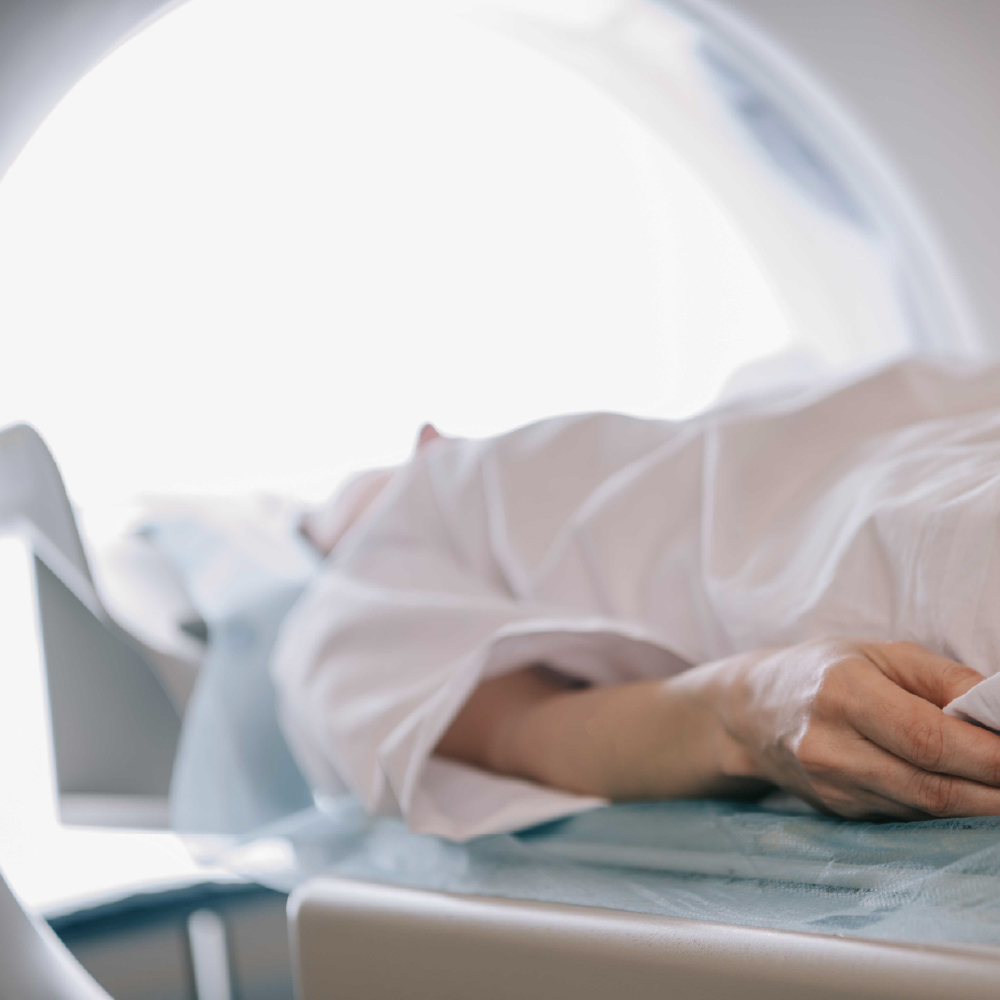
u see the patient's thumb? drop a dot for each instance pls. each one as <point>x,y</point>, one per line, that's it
<point>928,675</point>
<point>955,680</point>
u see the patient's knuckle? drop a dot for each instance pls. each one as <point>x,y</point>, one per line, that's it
<point>937,794</point>
<point>924,742</point>
<point>955,673</point>
<point>846,801</point>
<point>838,800</point>
<point>991,770</point>
<point>856,810</point>
<point>814,753</point>
<point>835,686</point>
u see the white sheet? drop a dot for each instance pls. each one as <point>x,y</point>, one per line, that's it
<point>617,549</point>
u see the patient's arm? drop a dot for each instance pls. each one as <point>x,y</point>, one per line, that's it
<point>856,728</point>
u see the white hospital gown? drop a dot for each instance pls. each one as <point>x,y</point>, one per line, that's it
<point>616,549</point>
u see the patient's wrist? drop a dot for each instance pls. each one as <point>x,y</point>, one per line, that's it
<point>648,740</point>
<point>702,758</point>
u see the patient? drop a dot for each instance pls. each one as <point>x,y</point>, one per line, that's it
<point>778,594</point>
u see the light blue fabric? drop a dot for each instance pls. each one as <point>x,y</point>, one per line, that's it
<point>731,862</point>
<point>233,771</point>
<point>934,882</point>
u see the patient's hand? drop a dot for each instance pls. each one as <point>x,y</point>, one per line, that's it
<point>856,728</point>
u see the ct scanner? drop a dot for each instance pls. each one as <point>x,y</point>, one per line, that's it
<point>855,143</point>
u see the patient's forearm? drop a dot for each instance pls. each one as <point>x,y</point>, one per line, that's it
<point>655,739</point>
<point>855,727</point>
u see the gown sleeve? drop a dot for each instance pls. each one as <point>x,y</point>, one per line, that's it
<point>419,603</point>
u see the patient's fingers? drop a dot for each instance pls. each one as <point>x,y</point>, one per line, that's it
<point>927,792</point>
<point>921,672</point>
<point>918,732</point>
<point>867,805</point>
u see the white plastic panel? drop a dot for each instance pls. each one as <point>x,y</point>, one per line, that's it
<point>357,941</point>
<point>858,267</point>
<point>905,93</point>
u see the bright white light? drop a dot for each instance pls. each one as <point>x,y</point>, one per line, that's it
<point>262,242</point>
